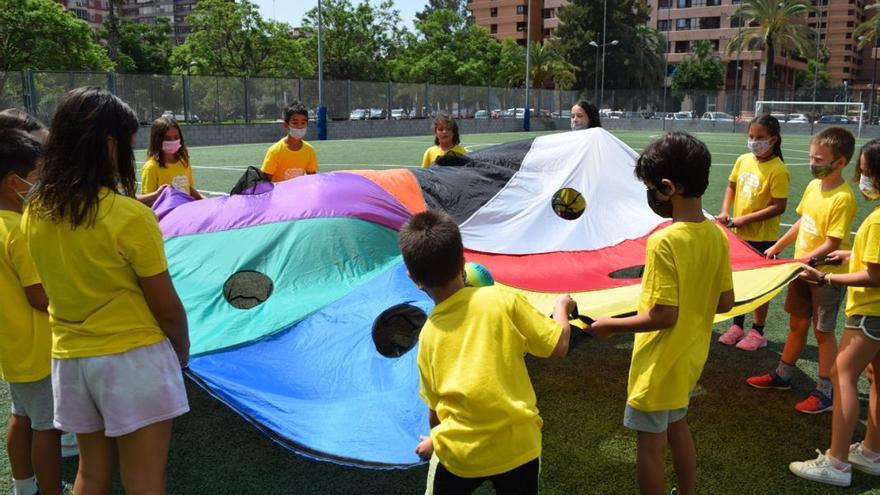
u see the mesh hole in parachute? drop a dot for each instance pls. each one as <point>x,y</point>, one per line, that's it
<point>628,272</point>
<point>247,289</point>
<point>396,330</point>
<point>568,204</point>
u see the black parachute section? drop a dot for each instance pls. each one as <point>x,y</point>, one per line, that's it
<point>461,184</point>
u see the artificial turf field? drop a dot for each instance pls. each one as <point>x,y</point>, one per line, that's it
<point>744,437</point>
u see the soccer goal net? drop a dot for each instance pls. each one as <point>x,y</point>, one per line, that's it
<point>815,112</point>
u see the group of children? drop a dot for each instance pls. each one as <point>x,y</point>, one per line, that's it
<point>484,423</point>
<point>91,309</point>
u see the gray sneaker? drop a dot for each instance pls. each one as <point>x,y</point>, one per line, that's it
<point>821,470</point>
<point>858,460</point>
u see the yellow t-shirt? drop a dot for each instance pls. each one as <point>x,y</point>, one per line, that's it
<point>283,163</point>
<point>432,153</point>
<point>757,183</point>
<point>825,214</point>
<point>687,265</point>
<point>178,174</point>
<point>866,249</point>
<point>90,273</point>
<point>474,376</point>
<point>25,338</point>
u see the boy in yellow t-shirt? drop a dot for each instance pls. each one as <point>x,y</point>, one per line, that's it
<point>482,407</point>
<point>25,338</point>
<point>687,280</point>
<point>291,157</point>
<point>827,209</point>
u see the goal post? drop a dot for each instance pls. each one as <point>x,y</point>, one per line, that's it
<point>813,110</point>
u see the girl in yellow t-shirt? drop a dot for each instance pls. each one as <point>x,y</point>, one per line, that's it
<point>167,160</point>
<point>758,192</point>
<point>446,139</point>
<point>118,327</point>
<point>859,348</point>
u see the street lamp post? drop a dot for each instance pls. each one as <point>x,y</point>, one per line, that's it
<point>187,92</point>
<point>597,47</point>
<point>873,82</point>
<point>527,118</point>
<point>322,110</point>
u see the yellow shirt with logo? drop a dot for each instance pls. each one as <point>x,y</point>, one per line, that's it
<point>687,265</point>
<point>25,338</point>
<point>282,163</point>
<point>432,153</point>
<point>91,274</point>
<point>474,376</point>
<point>825,214</point>
<point>757,183</point>
<point>177,174</point>
<point>866,249</point>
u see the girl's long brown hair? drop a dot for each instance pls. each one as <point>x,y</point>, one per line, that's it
<point>157,135</point>
<point>78,163</point>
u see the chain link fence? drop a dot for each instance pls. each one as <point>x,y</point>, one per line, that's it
<point>215,99</point>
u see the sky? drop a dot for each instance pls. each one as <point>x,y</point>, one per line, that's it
<point>292,11</point>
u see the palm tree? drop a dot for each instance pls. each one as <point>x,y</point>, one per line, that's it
<point>652,46</point>
<point>869,31</point>
<point>772,24</point>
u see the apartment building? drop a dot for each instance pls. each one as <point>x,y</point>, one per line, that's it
<point>149,10</point>
<point>91,11</point>
<point>509,18</point>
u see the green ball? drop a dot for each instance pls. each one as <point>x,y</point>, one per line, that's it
<point>476,275</point>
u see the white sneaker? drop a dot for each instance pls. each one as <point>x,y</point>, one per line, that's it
<point>859,461</point>
<point>821,470</point>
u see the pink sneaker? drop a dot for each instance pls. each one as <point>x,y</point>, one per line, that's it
<point>733,335</point>
<point>752,342</point>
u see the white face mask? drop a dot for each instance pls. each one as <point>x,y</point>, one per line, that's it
<point>171,147</point>
<point>866,185</point>
<point>576,126</point>
<point>759,147</point>
<point>297,133</point>
<point>23,196</point>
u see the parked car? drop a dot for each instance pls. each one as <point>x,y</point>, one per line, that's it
<point>717,117</point>
<point>495,113</point>
<point>377,113</point>
<point>833,119</point>
<point>797,118</point>
<point>683,116</point>
<point>179,116</point>
<point>358,114</point>
<point>399,114</point>
<point>481,114</point>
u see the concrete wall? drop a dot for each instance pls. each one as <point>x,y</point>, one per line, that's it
<point>218,134</point>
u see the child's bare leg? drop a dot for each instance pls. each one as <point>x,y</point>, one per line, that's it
<point>143,455</point>
<point>649,463</point>
<point>856,351</point>
<point>684,456</point>
<point>827,343</point>
<point>46,458</point>
<point>872,435</point>
<point>796,340</point>
<point>760,319</point>
<point>97,463</point>
<point>18,446</point>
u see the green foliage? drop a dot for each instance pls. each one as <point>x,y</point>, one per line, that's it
<point>778,23</point>
<point>635,62</point>
<point>232,39</point>
<point>40,34</point>
<point>143,48</point>
<point>804,79</point>
<point>700,70</point>
<point>457,6</point>
<point>358,40</point>
<point>868,32</point>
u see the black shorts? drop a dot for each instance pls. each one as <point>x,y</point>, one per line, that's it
<point>522,480</point>
<point>761,246</point>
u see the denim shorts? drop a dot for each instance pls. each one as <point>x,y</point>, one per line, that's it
<point>653,421</point>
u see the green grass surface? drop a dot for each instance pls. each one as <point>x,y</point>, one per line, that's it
<point>744,437</point>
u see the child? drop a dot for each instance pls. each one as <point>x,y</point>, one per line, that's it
<point>118,327</point>
<point>827,209</point>
<point>32,442</point>
<point>687,280</point>
<point>168,160</point>
<point>584,115</point>
<point>291,157</point>
<point>859,345</point>
<point>484,421</point>
<point>758,189</point>
<point>446,139</point>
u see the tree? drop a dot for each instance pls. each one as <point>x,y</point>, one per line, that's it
<point>700,70</point>
<point>816,71</point>
<point>40,34</point>
<point>547,67</point>
<point>635,62</point>
<point>457,6</point>
<point>142,47</point>
<point>232,39</point>
<point>868,32</point>
<point>358,40</point>
<point>772,24</point>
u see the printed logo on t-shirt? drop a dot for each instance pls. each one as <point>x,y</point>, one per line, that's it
<point>293,173</point>
<point>808,227</point>
<point>181,183</point>
<point>749,184</point>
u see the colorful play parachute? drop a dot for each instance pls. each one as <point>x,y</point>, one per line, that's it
<point>292,294</point>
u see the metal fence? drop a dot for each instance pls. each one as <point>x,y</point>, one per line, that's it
<point>216,99</point>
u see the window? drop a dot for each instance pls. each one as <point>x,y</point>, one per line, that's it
<point>710,22</point>
<point>664,4</point>
<point>683,4</point>
<point>521,27</point>
<point>663,25</point>
<point>736,22</point>
<point>493,12</point>
<point>493,28</point>
<point>682,46</point>
<point>522,10</point>
<point>682,24</point>
<point>547,13</point>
